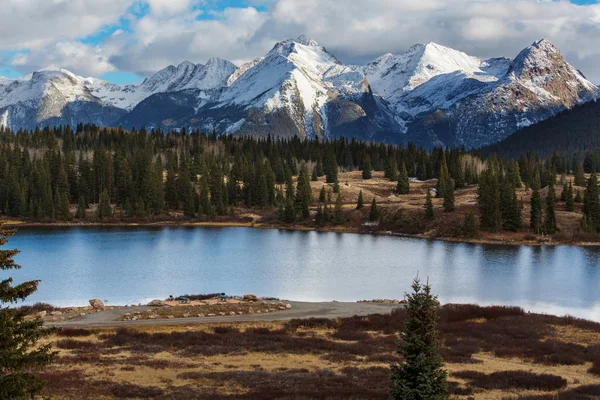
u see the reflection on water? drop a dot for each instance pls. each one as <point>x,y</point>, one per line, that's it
<point>129,265</point>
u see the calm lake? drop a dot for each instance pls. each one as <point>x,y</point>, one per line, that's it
<point>132,265</point>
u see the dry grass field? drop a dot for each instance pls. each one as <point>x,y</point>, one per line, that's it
<point>490,353</point>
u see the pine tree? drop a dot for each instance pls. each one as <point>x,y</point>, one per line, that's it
<point>338,213</point>
<point>510,209</point>
<point>366,172</point>
<point>470,225</point>
<point>319,217</point>
<point>403,182</point>
<point>444,179</point>
<point>550,227</point>
<point>80,214</point>
<point>488,198</point>
<point>391,169</point>
<point>304,197</point>
<point>322,195</point>
<point>374,212</point>
<point>360,203</point>
<point>20,353</point>
<point>449,196</point>
<point>591,203</point>
<point>536,219</point>
<point>569,201</point>
<point>336,187</point>
<point>104,210</point>
<point>290,212</point>
<point>429,206</point>
<point>578,197</point>
<point>314,176</point>
<point>563,193</point>
<point>420,376</point>
<point>579,175</point>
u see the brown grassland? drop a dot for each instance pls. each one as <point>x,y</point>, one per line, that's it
<point>490,353</point>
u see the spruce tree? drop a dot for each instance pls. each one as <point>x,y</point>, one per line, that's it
<point>391,169</point>
<point>444,178</point>
<point>470,225</point>
<point>80,214</point>
<point>591,203</point>
<point>510,209</point>
<point>578,197</point>
<point>360,203</point>
<point>550,226</point>
<point>104,210</point>
<point>304,197</point>
<point>338,213</point>
<point>449,196</point>
<point>429,206</point>
<point>536,219</point>
<point>20,353</point>
<point>579,175</point>
<point>366,172</point>
<point>403,182</point>
<point>488,199</point>
<point>290,212</point>
<point>569,201</point>
<point>314,176</point>
<point>420,376</point>
<point>374,212</point>
<point>322,195</point>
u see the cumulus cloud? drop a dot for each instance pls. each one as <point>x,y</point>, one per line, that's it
<point>357,32</point>
<point>32,24</point>
<point>74,56</point>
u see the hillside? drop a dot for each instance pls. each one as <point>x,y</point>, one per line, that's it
<point>571,131</point>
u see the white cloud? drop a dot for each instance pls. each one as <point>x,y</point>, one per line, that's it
<point>169,7</point>
<point>32,24</point>
<point>354,31</point>
<point>75,56</point>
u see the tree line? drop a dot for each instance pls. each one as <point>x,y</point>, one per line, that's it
<point>145,174</point>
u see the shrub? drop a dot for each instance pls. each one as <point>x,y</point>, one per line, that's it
<point>513,380</point>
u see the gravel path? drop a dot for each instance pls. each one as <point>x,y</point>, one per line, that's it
<point>299,310</point>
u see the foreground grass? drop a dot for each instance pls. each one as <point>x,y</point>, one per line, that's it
<point>490,353</point>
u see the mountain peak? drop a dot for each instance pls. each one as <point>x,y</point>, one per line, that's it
<point>544,44</point>
<point>186,64</point>
<point>51,68</point>
<point>302,39</point>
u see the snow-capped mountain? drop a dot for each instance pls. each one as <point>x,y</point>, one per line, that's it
<point>431,94</point>
<point>298,88</point>
<point>445,97</point>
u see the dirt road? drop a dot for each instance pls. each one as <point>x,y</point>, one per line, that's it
<point>299,310</point>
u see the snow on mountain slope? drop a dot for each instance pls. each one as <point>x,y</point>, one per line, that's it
<point>297,76</point>
<point>537,84</point>
<point>431,94</point>
<point>186,75</point>
<point>398,78</point>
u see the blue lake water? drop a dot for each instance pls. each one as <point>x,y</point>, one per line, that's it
<point>132,265</point>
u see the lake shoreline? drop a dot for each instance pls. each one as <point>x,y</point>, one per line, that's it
<point>299,228</point>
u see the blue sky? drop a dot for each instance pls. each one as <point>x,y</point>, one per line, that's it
<point>137,37</point>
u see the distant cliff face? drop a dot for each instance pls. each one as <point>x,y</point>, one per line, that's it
<point>431,95</point>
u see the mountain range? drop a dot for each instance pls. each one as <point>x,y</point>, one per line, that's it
<point>430,95</point>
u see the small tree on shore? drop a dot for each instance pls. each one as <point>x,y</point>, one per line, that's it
<point>104,209</point>
<point>19,353</point>
<point>374,213</point>
<point>429,206</point>
<point>360,203</point>
<point>420,376</point>
<point>470,225</point>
